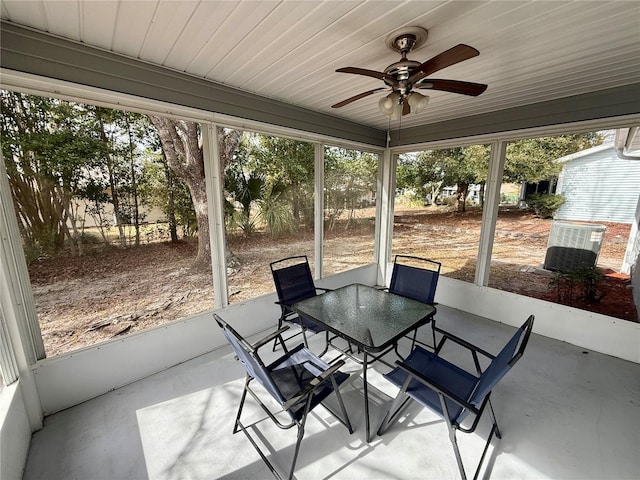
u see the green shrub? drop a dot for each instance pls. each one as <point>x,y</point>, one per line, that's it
<point>582,282</point>
<point>450,200</point>
<point>544,204</point>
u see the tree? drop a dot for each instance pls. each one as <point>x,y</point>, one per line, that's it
<point>460,166</point>
<point>182,145</point>
<point>534,160</point>
<point>244,185</point>
<point>49,150</point>
<point>530,160</point>
<point>162,188</point>
<point>477,157</point>
<point>350,177</point>
<point>290,165</point>
<point>422,172</point>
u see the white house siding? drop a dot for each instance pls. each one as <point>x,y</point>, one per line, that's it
<point>599,187</point>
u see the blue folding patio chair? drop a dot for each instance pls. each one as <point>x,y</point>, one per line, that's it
<point>415,278</point>
<point>293,281</point>
<point>298,381</point>
<point>452,392</point>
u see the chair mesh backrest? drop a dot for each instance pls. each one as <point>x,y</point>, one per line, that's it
<point>502,363</point>
<point>293,282</point>
<point>252,365</point>
<point>415,282</point>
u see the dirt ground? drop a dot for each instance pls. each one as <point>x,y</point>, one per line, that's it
<point>83,300</point>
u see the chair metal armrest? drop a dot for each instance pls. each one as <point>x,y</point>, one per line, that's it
<point>312,385</point>
<point>268,339</point>
<point>437,387</point>
<point>325,289</point>
<point>461,342</point>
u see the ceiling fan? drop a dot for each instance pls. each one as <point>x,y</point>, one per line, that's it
<point>405,76</point>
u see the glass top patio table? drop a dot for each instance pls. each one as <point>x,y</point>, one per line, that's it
<point>370,318</point>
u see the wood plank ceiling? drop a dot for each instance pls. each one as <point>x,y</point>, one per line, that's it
<point>289,50</point>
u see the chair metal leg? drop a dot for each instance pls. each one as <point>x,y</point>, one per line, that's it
<point>297,448</point>
<point>347,422</point>
<point>395,407</point>
<point>493,419</point>
<point>433,334</point>
<point>452,435</point>
<point>242,399</point>
<point>275,340</point>
<point>454,442</point>
<point>494,430</point>
<point>300,424</point>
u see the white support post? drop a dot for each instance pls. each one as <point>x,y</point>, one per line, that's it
<point>490,212</point>
<point>384,211</point>
<point>318,209</point>
<point>633,248</point>
<point>21,341</point>
<point>215,204</point>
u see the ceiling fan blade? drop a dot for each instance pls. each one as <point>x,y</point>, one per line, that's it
<point>453,86</point>
<point>406,108</point>
<point>447,58</point>
<point>357,97</point>
<point>366,72</point>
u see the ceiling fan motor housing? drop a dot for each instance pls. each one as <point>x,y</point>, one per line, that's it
<point>403,41</point>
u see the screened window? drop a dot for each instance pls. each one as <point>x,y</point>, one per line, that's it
<point>269,210</point>
<point>112,214</point>
<point>438,207</point>
<point>567,206</point>
<point>350,182</point>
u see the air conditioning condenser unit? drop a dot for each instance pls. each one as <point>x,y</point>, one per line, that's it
<point>573,245</point>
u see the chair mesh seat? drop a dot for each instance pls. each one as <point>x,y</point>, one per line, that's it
<point>296,369</point>
<point>459,381</point>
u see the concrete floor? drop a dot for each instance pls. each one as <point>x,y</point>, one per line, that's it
<point>565,413</point>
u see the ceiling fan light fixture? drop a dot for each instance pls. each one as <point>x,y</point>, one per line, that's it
<point>389,104</point>
<point>417,102</point>
<point>397,111</point>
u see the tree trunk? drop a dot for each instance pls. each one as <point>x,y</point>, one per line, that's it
<point>182,146</point>
<point>115,200</point>
<point>134,184</point>
<point>462,192</point>
<point>171,208</point>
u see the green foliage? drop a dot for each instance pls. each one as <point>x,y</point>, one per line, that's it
<point>581,282</point>
<point>160,187</point>
<point>275,211</point>
<point>289,163</point>
<point>509,198</point>
<point>429,171</point>
<point>545,205</point>
<point>49,149</point>
<point>350,179</point>
<point>530,160</point>
<point>410,199</point>
<point>533,160</point>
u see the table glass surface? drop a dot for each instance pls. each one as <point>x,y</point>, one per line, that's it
<point>367,316</point>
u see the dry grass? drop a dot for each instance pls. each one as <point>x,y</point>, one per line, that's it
<point>83,300</point>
